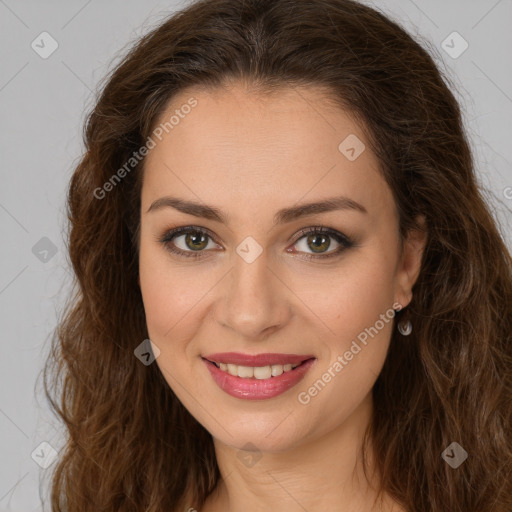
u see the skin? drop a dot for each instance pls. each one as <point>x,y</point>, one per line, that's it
<point>250,156</point>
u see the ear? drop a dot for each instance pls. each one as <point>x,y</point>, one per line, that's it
<point>410,263</point>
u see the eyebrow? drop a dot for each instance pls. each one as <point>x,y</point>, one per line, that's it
<point>281,217</point>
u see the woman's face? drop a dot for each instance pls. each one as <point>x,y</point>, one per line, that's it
<point>251,279</point>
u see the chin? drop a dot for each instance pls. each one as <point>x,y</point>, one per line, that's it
<point>266,432</point>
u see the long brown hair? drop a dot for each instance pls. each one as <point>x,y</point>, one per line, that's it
<point>131,445</point>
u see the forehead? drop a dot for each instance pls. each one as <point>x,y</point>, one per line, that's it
<point>237,147</point>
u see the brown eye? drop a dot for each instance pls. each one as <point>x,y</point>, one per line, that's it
<point>196,240</point>
<point>188,241</point>
<point>318,240</point>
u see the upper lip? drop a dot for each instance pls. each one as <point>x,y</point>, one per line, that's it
<point>256,360</point>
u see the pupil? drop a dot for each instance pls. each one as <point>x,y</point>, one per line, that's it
<point>318,245</point>
<point>198,241</point>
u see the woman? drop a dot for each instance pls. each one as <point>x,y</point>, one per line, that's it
<point>280,195</point>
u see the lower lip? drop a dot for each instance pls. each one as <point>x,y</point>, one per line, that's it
<point>258,389</point>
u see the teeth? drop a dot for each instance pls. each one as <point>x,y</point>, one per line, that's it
<point>246,372</point>
<point>233,369</point>
<point>277,369</point>
<point>261,372</point>
<point>257,372</point>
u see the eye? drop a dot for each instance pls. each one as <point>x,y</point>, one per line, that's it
<point>189,241</point>
<point>193,241</point>
<point>318,240</point>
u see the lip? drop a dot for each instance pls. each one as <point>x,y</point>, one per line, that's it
<point>257,360</point>
<point>259,389</point>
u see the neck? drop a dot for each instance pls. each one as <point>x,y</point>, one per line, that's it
<point>319,474</point>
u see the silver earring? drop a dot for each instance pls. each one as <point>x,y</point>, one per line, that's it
<point>405,327</point>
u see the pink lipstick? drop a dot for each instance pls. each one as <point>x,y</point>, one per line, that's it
<point>257,377</point>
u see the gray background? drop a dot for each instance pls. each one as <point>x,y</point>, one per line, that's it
<point>42,109</point>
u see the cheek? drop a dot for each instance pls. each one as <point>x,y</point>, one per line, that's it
<point>353,296</point>
<point>368,294</point>
<point>171,321</point>
<point>359,315</point>
<point>170,295</point>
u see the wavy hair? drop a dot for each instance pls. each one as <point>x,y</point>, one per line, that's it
<point>130,444</point>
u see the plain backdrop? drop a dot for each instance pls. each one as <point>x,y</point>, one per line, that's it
<point>43,103</point>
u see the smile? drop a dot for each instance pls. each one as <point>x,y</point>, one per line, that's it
<point>258,372</point>
<point>257,377</point>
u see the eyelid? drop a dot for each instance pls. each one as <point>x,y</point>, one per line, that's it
<point>177,231</point>
<point>322,230</point>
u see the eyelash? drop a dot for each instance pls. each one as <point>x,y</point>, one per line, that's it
<point>344,241</point>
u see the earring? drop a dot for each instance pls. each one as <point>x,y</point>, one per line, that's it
<point>404,326</point>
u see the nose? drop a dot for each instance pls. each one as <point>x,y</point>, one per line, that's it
<point>255,301</point>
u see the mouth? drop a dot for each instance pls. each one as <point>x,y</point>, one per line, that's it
<point>262,376</point>
<point>256,372</point>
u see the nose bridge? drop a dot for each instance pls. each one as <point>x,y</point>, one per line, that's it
<point>253,300</point>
